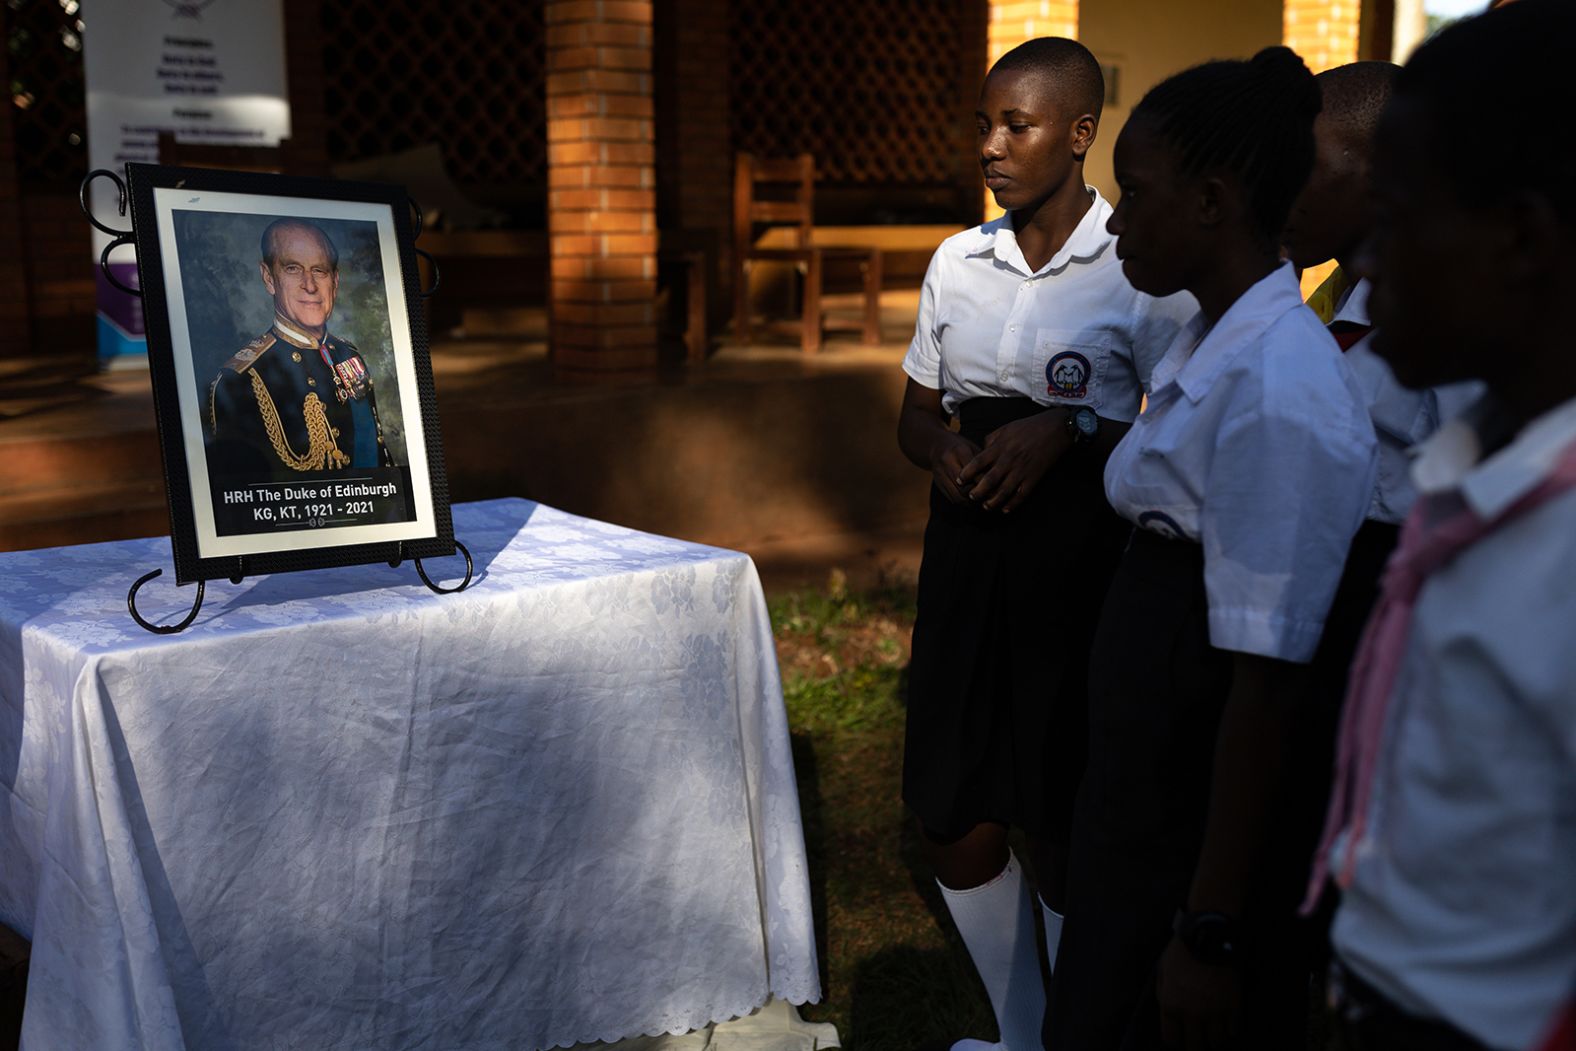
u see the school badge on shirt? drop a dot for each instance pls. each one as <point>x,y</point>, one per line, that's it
<point>1067,375</point>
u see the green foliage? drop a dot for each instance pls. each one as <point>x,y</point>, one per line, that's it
<point>824,611</point>
<point>861,698</point>
<point>894,975</point>
<point>855,684</point>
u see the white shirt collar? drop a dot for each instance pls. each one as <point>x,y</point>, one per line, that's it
<point>1354,304</point>
<point>1195,368</point>
<point>1453,459</point>
<point>291,334</point>
<point>1087,242</point>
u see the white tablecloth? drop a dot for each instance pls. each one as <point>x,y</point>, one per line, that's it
<point>340,811</point>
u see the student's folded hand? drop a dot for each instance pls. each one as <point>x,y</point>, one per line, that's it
<point>947,461</point>
<point>1015,458</point>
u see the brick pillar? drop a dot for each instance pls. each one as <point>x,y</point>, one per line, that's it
<point>1014,21</point>
<point>15,317</point>
<point>601,186</point>
<point>1323,32</point>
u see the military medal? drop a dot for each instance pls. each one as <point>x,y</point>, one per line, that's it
<point>352,377</point>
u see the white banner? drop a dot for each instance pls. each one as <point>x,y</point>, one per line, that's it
<point>210,71</point>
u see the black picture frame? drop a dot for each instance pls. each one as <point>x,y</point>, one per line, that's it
<point>191,229</point>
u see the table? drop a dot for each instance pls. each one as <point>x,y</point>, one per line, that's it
<point>340,811</point>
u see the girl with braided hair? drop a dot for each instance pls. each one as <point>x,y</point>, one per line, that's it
<point>1247,476</point>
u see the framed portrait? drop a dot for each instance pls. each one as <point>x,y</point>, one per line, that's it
<point>291,374</point>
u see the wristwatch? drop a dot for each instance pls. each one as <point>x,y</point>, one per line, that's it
<point>1083,425</point>
<point>1212,937</point>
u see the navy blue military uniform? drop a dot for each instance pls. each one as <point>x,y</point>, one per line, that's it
<point>287,404</point>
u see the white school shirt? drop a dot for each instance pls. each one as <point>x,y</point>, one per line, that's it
<point>1463,901</point>
<point>1402,418</point>
<point>1256,444</point>
<point>1073,332</point>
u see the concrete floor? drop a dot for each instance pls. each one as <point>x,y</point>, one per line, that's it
<point>790,458</point>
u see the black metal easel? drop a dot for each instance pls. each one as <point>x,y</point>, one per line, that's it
<point>127,237</point>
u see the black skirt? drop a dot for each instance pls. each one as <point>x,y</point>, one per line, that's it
<point>1007,610</point>
<point>1157,690</point>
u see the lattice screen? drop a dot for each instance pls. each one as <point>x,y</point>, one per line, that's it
<point>873,88</point>
<point>48,108</point>
<point>469,76</point>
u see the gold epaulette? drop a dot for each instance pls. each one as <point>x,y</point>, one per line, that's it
<point>249,354</point>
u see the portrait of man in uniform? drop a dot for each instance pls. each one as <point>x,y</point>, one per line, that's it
<point>292,377</point>
<point>297,398</point>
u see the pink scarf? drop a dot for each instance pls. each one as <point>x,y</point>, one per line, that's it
<point>1422,550</point>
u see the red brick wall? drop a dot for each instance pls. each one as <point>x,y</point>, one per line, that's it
<point>1325,34</point>
<point>601,186</point>
<point>14,315</point>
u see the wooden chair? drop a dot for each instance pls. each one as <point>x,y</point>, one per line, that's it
<point>750,174</point>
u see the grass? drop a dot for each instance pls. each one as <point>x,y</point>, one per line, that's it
<point>894,976</point>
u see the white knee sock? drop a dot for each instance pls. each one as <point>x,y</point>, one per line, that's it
<point>1053,932</point>
<point>997,924</point>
